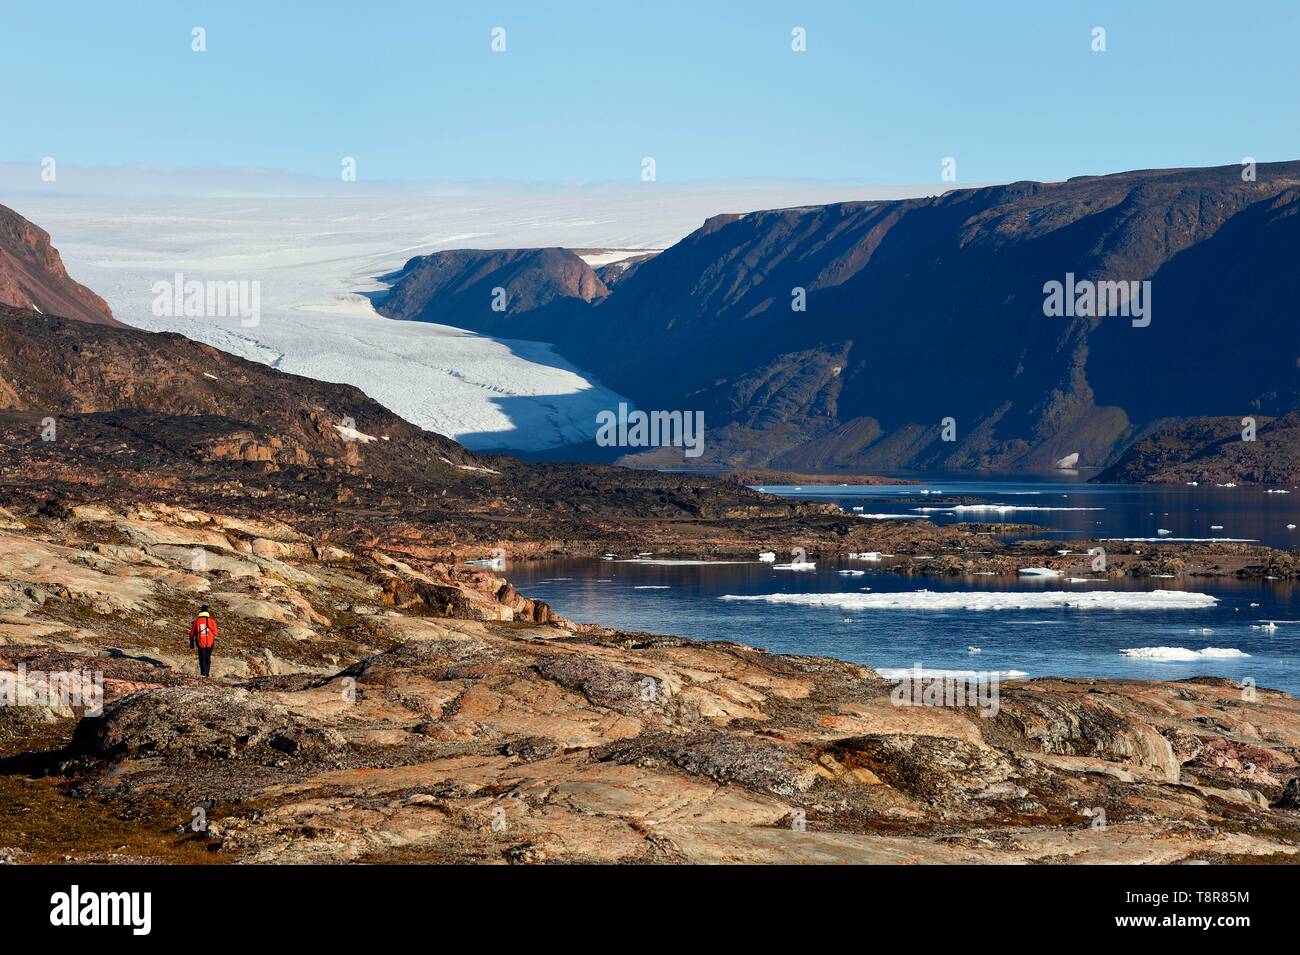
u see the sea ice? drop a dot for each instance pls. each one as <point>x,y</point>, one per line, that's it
<point>996,508</point>
<point>1183,653</point>
<point>994,600</point>
<point>925,673</point>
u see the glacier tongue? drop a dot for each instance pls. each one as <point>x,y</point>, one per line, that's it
<point>317,260</point>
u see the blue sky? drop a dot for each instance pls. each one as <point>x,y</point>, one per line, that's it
<point>711,90</point>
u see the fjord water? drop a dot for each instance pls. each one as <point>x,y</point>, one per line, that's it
<point>687,599</point>
<point>1077,509</point>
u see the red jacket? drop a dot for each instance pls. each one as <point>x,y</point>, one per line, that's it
<point>203,632</point>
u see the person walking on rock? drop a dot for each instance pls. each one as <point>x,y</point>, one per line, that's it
<point>203,636</point>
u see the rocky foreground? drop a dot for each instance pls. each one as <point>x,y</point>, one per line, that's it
<point>378,707</point>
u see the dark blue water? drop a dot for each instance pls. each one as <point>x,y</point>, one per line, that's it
<point>1063,641</point>
<point>1121,510</point>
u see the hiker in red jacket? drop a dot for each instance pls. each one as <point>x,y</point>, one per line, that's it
<point>203,635</point>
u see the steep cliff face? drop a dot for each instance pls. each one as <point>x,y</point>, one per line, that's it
<point>841,336</point>
<point>32,275</point>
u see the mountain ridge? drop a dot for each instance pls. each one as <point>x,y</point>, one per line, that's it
<point>32,275</point>
<point>921,310</point>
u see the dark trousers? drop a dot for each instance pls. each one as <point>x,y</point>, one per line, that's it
<point>205,660</point>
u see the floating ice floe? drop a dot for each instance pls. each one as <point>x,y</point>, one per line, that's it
<point>1193,483</point>
<point>893,517</point>
<point>671,562</point>
<point>652,587</point>
<point>1183,653</point>
<point>1290,527</point>
<point>974,650</point>
<point>851,573</point>
<point>871,555</point>
<point>925,673</point>
<point>1273,490</point>
<point>1163,531</point>
<point>1266,625</point>
<point>1229,484</point>
<point>767,556</point>
<point>1183,540</point>
<point>1039,572</point>
<point>1216,527</point>
<point>998,600</point>
<point>997,508</point>
<point>859,507</point>
<point>796,565</point>
<point>1203,631</point>
<point>496,563</point>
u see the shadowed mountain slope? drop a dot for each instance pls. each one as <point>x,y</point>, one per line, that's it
<point>924,309</point>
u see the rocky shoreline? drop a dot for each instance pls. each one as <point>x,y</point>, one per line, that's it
<point>373,706</point>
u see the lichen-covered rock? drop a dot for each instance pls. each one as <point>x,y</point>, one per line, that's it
<point>192,722</point>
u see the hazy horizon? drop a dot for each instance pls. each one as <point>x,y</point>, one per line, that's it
<point>586,94</point>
